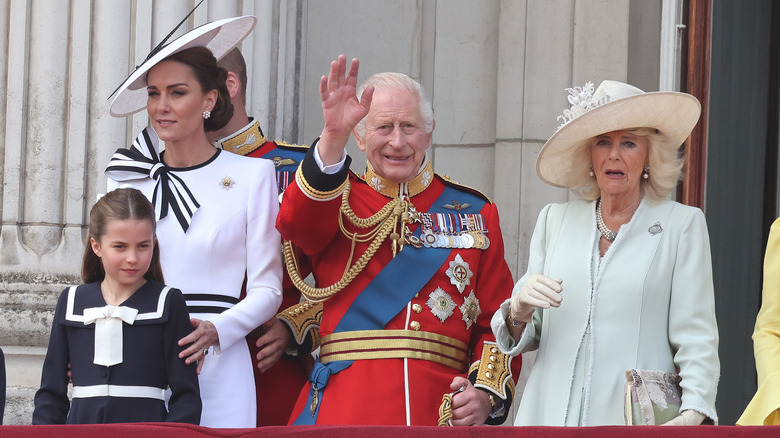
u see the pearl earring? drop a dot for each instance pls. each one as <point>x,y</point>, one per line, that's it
<point>591,173</point>
<point>645,175</point>
<point>206,114</point>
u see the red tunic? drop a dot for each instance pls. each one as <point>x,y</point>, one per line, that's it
<point>391,391</point>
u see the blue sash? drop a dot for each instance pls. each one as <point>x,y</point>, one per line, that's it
<point>295,156</point>
<point>285,173</point>
<point>387,294</point>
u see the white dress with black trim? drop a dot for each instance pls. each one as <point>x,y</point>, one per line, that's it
<point>231,233</point>
<point>131,390</point>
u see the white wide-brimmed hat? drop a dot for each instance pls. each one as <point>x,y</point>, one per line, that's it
<point>613,106</point>
<point>219,36</point>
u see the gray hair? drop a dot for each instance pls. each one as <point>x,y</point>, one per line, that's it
<point>398,81</point>
<point>664,162</point>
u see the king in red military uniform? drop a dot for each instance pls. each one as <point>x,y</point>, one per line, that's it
<point>409,267</point>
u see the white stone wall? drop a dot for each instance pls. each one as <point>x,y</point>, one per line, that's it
<point>495,71</point>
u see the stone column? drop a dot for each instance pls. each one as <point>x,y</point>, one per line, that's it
<point>464,92</point>
<point>63,61</point>
<point>43,182</point>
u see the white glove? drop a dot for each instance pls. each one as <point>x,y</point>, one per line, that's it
<point>687,417</point>
<point>537,291</point>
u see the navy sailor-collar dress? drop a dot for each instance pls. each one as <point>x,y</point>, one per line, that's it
<point>137,359</point>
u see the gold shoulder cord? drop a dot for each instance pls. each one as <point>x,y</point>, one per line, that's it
<point>384,223</point>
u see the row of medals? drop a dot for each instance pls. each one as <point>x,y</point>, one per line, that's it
<point>477,239</point>
<point>473,239</point>
<point>431,239</point>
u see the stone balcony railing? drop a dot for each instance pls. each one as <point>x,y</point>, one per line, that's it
<point>26,311</point>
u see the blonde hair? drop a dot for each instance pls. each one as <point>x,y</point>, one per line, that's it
<point>665,167</point>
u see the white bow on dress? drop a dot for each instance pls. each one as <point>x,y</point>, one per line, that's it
<point>108,331</point>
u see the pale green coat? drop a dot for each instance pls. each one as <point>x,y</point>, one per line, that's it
<point>651,307</point>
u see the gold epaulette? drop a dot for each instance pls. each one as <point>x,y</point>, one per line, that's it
<point>448,181</point>
<point>493,371</point>
<point>303,320</point>
<point>285,145</point>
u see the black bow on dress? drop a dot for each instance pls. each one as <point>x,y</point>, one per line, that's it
<point>142,160</point>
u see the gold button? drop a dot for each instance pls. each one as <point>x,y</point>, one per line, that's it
<point>492,358</point>
<point>489,375</point>
<point>491,366</point>
<point>494,350</point>
<point>415,325</point>
<point>417,308</point>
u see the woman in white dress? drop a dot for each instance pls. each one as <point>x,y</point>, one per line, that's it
<point>215,211</point>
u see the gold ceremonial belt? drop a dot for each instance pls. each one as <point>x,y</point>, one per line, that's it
<point>395,344</point>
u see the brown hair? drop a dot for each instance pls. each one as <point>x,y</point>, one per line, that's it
<point>210,77</point>
<point>234,62</point>
<point>119,204</point>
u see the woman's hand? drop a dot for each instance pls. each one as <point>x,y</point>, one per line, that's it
<point>537,291</point>
<point>471,406</point>
<point>687,417</point>
<point>204,336</point>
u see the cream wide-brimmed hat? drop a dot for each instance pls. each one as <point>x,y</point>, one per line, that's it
<point>219,36</point>
<point>613,106</point>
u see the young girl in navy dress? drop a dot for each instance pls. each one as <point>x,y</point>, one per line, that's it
<point>118,331</point>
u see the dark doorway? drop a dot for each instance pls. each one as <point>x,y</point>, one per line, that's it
<point>741,181</point>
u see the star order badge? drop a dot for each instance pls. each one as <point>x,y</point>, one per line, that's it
<point>470,310</point>
<point>226,183</point>
<point>459,273</point>
<point>441,304</point>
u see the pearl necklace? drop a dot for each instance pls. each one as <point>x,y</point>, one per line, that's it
<point>606,232</point>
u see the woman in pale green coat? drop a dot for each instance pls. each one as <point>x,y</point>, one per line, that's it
<point>620,279</point>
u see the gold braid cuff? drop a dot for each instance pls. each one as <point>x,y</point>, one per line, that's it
<point>303,320</point>
<point>318,195</point>
<point>493,372</point>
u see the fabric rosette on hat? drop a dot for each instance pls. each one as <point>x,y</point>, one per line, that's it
<point>564,161</point>
<point>219,36</point>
